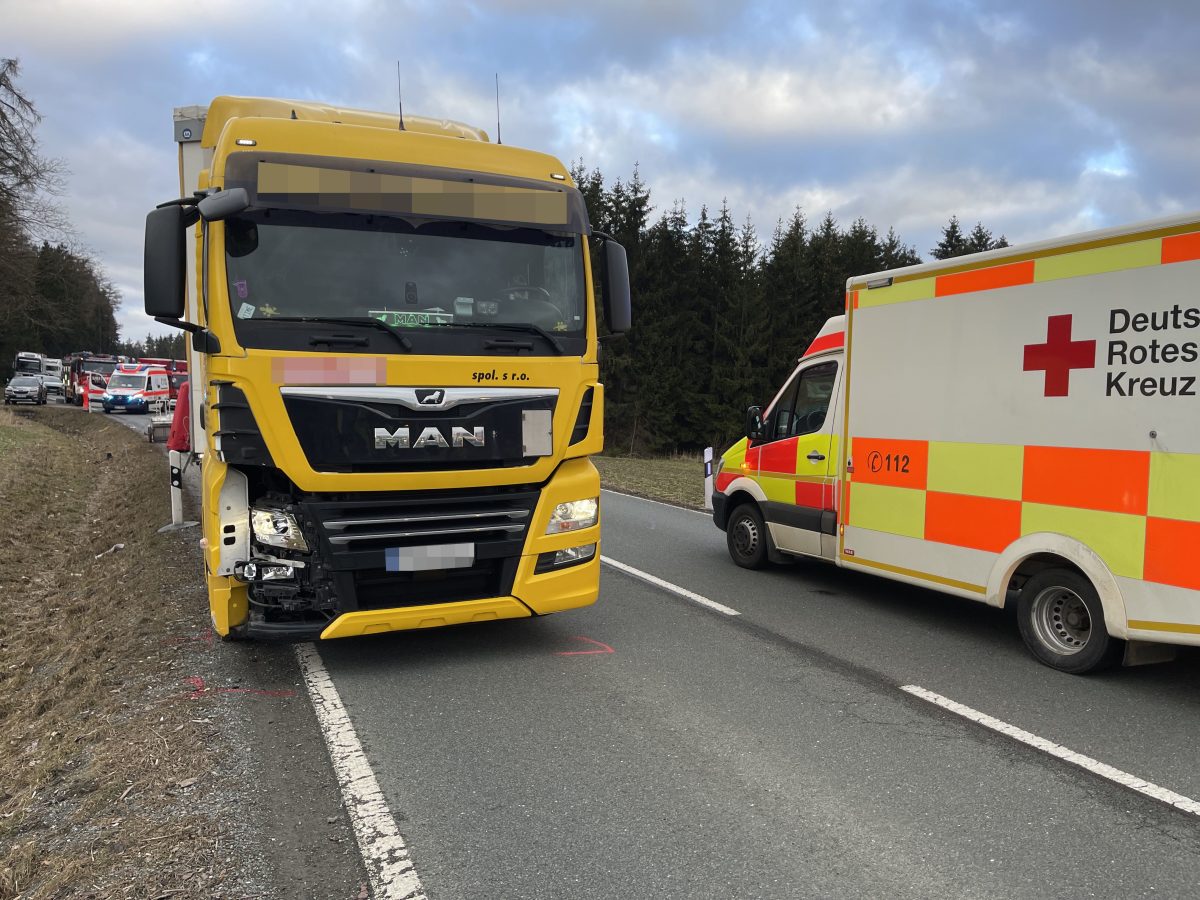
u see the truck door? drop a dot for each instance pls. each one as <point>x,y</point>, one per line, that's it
<point>797,463</point>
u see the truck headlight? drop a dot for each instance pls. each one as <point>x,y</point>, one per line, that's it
<point>574,515</point>
<point>277,528</point>
<point>561,559</point>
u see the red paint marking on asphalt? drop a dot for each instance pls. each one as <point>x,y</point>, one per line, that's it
<point>602,648</point>
<point>201,689</point>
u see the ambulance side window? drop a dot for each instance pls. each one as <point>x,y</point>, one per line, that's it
<point>780,423</point>
<point>805,406</point>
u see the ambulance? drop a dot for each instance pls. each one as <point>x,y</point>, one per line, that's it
<point>1013,427</point>
<point>137,388</point>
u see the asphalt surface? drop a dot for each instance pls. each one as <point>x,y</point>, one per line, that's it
<point>770,754</point>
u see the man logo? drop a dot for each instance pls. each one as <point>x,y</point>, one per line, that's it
<point>431,398</point>
<point>401,438</point>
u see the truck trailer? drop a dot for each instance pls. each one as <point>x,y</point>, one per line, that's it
<point>1012,427</point>
<point>394,370</point>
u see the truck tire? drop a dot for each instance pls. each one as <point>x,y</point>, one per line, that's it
<point>746,537</point>
<point>1062,622</point>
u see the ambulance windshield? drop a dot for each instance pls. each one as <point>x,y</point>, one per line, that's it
<point>122,380</point>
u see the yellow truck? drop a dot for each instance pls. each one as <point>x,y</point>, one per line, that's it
<point>394,354</point>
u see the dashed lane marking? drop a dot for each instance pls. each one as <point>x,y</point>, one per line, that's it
<point>668,586</point>
<point>393,875</point>
<point>1180,802</point>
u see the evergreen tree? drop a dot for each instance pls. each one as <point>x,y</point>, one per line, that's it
<point>53,300</point>
<point>953,242</point>
<point>981,239</point>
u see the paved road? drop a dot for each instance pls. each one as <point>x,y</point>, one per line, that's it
<point>136,421</point>
<point>765,755</point>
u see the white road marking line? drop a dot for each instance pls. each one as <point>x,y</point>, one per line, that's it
<point>392,874</point>
<point>1186,804</point>
<point>673,588</point>
<point>699,512</point>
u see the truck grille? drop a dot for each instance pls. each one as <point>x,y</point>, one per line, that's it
<point>355,534</point>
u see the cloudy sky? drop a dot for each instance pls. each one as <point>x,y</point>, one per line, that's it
<point>1036,117</point>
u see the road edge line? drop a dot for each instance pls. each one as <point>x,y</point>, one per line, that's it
<point>700,512</point>
<point>389,868</point>
<point>1124,779</point>
<point>668,586</point>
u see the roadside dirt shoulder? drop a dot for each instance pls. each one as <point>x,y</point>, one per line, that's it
<point>141,757</point>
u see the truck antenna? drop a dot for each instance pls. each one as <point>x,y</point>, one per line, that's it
<point>498,141</point>
<point>399,95</point>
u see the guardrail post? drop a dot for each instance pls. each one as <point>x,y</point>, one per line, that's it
<point>175,458</point>
<point>708,477</point>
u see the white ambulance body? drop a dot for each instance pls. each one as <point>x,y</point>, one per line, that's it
<point>1014,425</point>
<point>136,388</point>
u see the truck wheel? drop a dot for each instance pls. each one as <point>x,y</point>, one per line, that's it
<point>1062,621</point>
<point>746,537</point>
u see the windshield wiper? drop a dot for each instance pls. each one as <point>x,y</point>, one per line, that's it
<point>370,321</point>
<point>525,327</point>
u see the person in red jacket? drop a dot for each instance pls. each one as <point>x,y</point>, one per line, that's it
<point>180,437</point>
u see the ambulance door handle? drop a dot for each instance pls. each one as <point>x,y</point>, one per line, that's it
<point>815,456</point>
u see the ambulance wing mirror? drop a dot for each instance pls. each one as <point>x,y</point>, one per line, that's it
<point>754,423</point>
<point>614,286</point>
<point>165,266</point>
<point>223,204</point>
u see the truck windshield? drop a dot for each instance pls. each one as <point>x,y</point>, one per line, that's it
<point>428,278</point>
<point>29,365</point>
<point>127,381</point>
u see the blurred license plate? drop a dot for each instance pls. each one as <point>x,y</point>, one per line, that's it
<point>424,559</point>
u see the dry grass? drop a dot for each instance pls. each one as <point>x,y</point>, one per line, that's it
<point>97,756</point>
<point>677,479</point>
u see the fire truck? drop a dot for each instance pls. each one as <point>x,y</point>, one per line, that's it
<point>88,374</point>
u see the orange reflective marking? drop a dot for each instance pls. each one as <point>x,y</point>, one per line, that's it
<point>1181,248</point>
<point>1171,553</point>
<point>891,462</point>
<point>980,523</point>
<point>984,279</point>
<point>1107,480</point>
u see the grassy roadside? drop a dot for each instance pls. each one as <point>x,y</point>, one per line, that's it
<point>103,771</point>
<point>677,480</point>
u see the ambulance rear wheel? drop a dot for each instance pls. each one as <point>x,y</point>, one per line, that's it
<point>1062,621</point>
<point>746,537</point>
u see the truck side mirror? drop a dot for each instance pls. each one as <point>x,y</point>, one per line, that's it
<point>614,286</point>
<point>164,269</point>
<point>754,423</point>
<point>223,204</point>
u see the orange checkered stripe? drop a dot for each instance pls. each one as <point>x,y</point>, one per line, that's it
<point>1138,510</point>
<point>1126,252</point>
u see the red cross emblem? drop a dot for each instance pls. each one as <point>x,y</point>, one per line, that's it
<point>1059,355</point>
